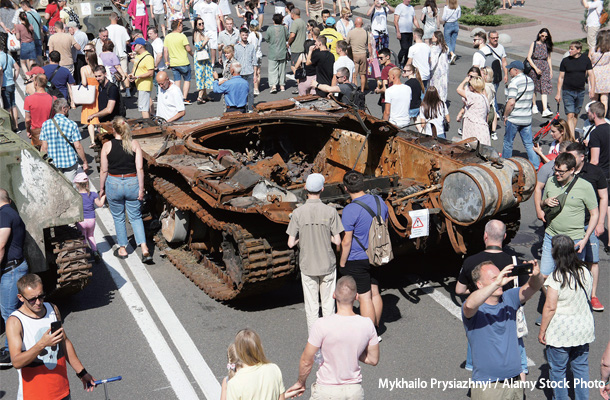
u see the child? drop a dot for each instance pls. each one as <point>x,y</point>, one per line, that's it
<point>90,201</point>
<point>233,365</point>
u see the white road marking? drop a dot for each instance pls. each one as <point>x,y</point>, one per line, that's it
<point>18,99</point>
<point>444,301</point>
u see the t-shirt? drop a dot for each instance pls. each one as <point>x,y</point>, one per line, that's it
<point>157,46</point>
<point>341,339</point>
<point>169,102</point>
<point>314,223</point>
<point>385,76</point>
<point>299,28</point>
<point>258,382</point>
<point>157,6</point>
<point>175,43</point>
<point>25,35</point>
<point>324,61</point>
<point>345,61</point>
<point>492,335</point>
<point>208,12</point>
<point>53,10</point>
<point>399,98</point>
<point>500,260</point>
<point>478,58</point>
<point>332,37</point>
<point>62,78</point>
<point>420,53</point>
<point>437,121</point>
<point>224,7</point>
<point>106,93</point>
<point>9,218</point>
<point>36,22</point>
<point>7,64</point>
<point>119,36</point>
<point>596,177</point>
<point>594,11</point>
<point>600,137</point>
<point>415,86</point>
<point>357,220</point>
<point>575,70</point>
<point>146,64</point>
<point>89,204</point>
<point>357,38</point>
<point>110,61</point>
<point>546,171</point>
<point>379,21</point>
<point>39,106</point>
<point>63,43</point>
<point>522,87</point>
<point>570,221</point>
<point>451,15</point>
<point>405,20</point>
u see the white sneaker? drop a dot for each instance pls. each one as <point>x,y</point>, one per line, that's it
<point>460,131</point>
<point>256,92</point>
<point>535,110</point>
<point>547,113</point>
<point>494,136</point>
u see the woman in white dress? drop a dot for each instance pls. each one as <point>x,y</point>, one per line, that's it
<point>439,65</point>
<point>430,19</point>
<point>345,24</point>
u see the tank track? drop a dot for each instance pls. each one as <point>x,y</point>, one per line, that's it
<point>261,268</point>
<point>71,259</point>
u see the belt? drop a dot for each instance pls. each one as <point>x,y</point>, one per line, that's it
<point>513,379</point>
<point>123,175</point>
<point>11,265</point>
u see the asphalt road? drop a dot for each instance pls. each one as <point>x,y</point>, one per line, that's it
<point>168,340</point>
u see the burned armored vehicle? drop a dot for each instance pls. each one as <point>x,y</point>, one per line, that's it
<point>225,187</point>
<point>49,206</point>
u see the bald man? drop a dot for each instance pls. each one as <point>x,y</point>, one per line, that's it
<point>397,100</point>
<point>358,39</point>
<point>170,104</point>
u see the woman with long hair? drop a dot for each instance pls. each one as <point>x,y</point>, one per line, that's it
<point>490,92</point>
<point>431,19</point>
<point>414,81</point>
<point>539,56</point>
<point>304,85</point>
<point>233,365</point>
<point>567,325</point>
<point>472,90</point>
<point>601,67</point>
<point>88,79</point>
<point>122,180</point>
<point>345,24</point>
<point>560,132</point>
<point>138,11</point>
<point>451,13</point>
<point>439,64</point>
<point>433,112</point>
<point>25,34</point>
<point>204,73</point>
<point>256,39</point>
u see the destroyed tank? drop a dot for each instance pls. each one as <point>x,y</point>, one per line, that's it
<point>224,187</point>
<point>49,206</point>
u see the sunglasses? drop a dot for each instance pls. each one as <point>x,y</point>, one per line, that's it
<point>33,300</point>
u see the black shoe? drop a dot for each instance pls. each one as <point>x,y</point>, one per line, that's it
<point>5,358</point>
<point>147,258</point>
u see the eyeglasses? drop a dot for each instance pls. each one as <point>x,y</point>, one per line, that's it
<point>33,300</point>
<point>544,36</point>
<point>493,37</point>
<point>560,172</point>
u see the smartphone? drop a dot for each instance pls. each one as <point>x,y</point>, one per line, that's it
<point>522,269</point>
<point>55,326</point>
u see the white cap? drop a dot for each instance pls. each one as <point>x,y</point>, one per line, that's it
<point>314,183</point>
<point>71,24</point>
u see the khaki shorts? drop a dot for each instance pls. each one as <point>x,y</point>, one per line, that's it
<point>360,63</point>
<point>338,392</point>
<point>592,36</point>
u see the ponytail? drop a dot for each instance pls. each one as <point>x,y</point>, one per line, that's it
<point>122,128</point>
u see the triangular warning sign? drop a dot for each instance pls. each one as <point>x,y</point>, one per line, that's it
<point>418,223</point>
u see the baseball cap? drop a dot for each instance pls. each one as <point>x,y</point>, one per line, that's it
<point>35,71</point>
<point>254,22</point>
<point>71,24</point>
<point>330,21</point>
<point>516,65</point>
<point>314,183</point>
<point>139,41</point>
<point>81,177</point>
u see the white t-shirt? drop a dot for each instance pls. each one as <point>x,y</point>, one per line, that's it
<point>256,42</point>
<point>157,46</point>
<point>208,12</point>
<point>420,53</point>
<point>157,6</point>
<point>399,98</point>
<point>225,7</point>
<point>119,36</point>
<point>498,52</point>
<point>379,21</point>
<point>436,121</point>
<point>169,102</point>
<point>478,59</point>
<point>451,15</point>
<point>345,61</point>
<point>595,9</point>
<point>405,21</point>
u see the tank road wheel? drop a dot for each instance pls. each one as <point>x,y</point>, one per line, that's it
<point>69,261</point>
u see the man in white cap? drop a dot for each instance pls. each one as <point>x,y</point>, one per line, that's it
<point>313,226</point>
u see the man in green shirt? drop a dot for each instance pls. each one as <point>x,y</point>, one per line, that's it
<point>298,34</point>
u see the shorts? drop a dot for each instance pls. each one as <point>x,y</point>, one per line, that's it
<point>183,71</point>
<point>592,35</point>
<point>361,271</point>
<point>261,8</point>
<point>8,97</point>
<point>160,21</point>
<point>38,47</point>
<point>592,248</point>
<point>572,100</point>
<point>143,100</point>
<point>547,265</point>
<point>213,42</point>
<point>28,51</point>
<point>293,58</point>
<point>360,63</point>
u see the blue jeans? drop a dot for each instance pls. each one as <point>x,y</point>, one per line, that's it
<point>496,86</point>
<point>8,290</point>
<point>250,79</point>
<point>578,358</point>
<point>451,33</point>
<point>183,72</point>
<point>526,137</point>
<point>122,193</point>
<point>547,264</point>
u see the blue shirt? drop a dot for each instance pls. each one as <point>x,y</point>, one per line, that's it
<point>61,78</point>
<point>246,56</point>
<point>63,155</point>
<point>357,220</point>
<point>36,21</point>
<point>235,90</point>
<point>6,63</point>
<point>492,334</point>
<point>9,218</point>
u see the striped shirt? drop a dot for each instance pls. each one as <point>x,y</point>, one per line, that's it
<point>246,56</point>
<point>59,150</point>
<point>521,87</point>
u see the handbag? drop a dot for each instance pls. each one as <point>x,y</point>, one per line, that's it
<point>83,94</point>
<point>118,78</point>
<point>202,55</point>
<point>551,212</point>
<point>12,43</point>
<point>299,74</point>
<point>527,67</point>
<point>373,70</point>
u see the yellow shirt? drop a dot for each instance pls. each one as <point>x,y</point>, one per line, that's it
<point>175,43</point>
<point>332,37</point>
<point>147,63</point>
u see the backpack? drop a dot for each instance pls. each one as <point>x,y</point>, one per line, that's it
<point>385,10</point>
<point>72,15</point>
<point>379,250</point>
<point>603,17</point>
<point>51,89</point>
<point>494,63</point>
<point>121,106</point>
<point>355,98</point>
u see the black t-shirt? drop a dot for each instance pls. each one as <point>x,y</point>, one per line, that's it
<point>108,92</point>
<point>310,70</point>
<point>9,218</point>
<point>600,137</point>
<point>595,176</point>
<point>501,260</point>
<point>323,61</point>
<point>413,83</point>
<point>575,72</point>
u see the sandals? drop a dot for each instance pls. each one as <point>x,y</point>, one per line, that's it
<point>201,100</point>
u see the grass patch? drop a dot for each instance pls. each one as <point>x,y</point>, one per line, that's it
<point>565,45</point>
<point>394,3</point>
<point>492,20</point>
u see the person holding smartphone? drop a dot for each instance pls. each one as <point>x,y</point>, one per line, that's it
<point>42,362</point>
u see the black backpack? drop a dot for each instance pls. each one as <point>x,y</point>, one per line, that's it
<point>72,16</point>
<point>122,111</point>
<point>495,64</point>
<point>355,98</point>
<point>51,89</point>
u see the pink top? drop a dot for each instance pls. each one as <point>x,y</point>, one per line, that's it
<point>25,36</point>
<point>342,340</point>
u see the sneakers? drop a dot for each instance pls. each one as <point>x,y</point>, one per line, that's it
<point>256,92</point>
<point>547,113</point>
<point>596,304</point>
<point>539,320</point>
<point>379,339</point>
<point>453,58</point>
<point>460,131</point>
<point>273,90</point>
<point>187,102</point>
<point>5,358</point>
<point>535,110</point>
<point>494,136</point>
